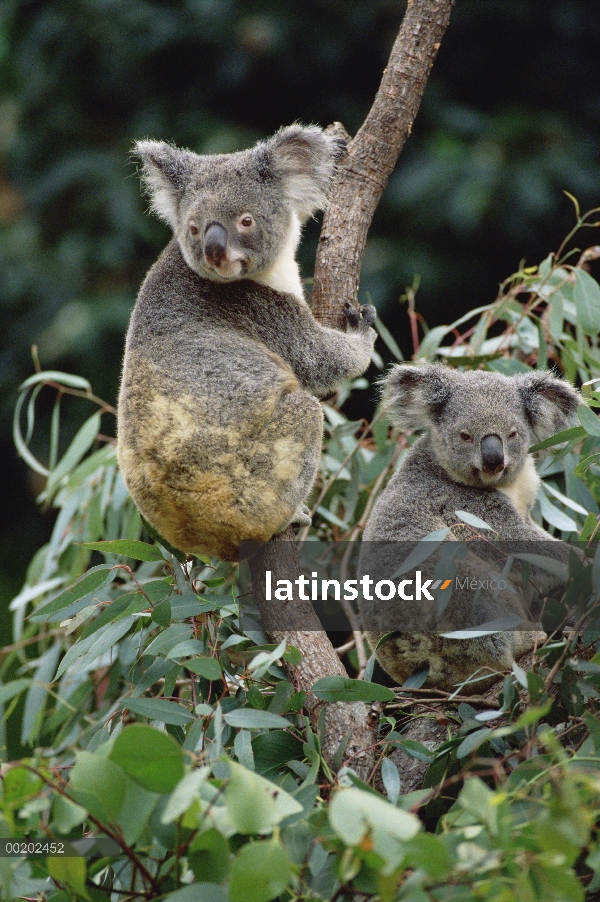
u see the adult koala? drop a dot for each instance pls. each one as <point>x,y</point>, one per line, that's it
<point>219,426</point>
<point>473,457</point>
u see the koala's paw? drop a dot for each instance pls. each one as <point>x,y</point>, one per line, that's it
<point>369,314</point>
<point>302,516</point>
<point>359,319</point>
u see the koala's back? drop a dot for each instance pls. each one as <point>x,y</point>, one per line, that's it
<point>205,406</point>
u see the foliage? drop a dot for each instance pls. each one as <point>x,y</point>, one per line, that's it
<point>137,709</point>
<point>508,119</point>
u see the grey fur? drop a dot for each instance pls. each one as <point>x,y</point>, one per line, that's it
<point>220,428</point>
<point>442,473</point>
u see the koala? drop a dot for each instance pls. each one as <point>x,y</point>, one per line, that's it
<point>219,422</point>
<point>473,456</point>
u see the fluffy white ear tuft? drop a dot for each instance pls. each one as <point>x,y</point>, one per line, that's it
<point>304,158</point>
<point>549,403</point>
<point>414,396</point>
<point>165,173</point>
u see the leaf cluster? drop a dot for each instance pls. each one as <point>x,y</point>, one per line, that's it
<point>138,707</point>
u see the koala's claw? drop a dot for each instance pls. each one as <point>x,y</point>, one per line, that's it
<point>302,517</point>
<point>360,318</point>
<point>369,314</point>
<point>352,316</point>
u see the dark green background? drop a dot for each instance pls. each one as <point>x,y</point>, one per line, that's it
<point>510,119</point>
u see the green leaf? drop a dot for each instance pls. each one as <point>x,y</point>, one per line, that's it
<point>184,794</point>
<point>209,668</point>
<point>98,784</point>
<point>67,379</point>
<point>432,341</point>
<point>423,550</point>
<point>588,420</point>
<point>36,697</point>
<point>354,814</point>
<point>15,687</point>
<point>567,435</point>
<point>391,779</point>
<point>593,725</point>
<point>95,579</point>
<point>416,679</point>
<point>555,516</point>
<point>476,798</point>
<point>253,719</point>
<point>69,872</point>
<point>416,750</point>
<point>85,652</point>
<point>273,750</point>
<point>138,551</point>
<point>84,439</point>
<point>551,565</point>
<point>208,857</point>
<point>177,554</point>
<point>586,295</point>
<point>197,892</point>
<point>160,709</point>
<point>472,520</point>
<point>161,614</point>
<point>256,805</point>
<point>137,809</point>
<point>260,872</point>
<point>472,742</point>
<point>242,746</point>
<point>66,814</point>
<point>151,758</point>
<point>343,689</point>
<point>168,639</point>
<point>389,339</point>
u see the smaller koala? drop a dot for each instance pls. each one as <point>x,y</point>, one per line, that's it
<point>219,426</point>
<point>473,456</point>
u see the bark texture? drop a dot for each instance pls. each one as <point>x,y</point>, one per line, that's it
<point>364,173</point>
<point>353,720</point>
<point>372,155</point>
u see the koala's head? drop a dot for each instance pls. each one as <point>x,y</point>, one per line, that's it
<point>233,214</point>
<point>481,424</point>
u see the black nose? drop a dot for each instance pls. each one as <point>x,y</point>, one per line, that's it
<point>492,454</point>
<point>215,243</point>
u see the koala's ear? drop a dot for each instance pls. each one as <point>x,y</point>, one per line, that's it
<point>414,396</point>
<point>549,403</point>
<point>304,158</point>
<point>165,173</point>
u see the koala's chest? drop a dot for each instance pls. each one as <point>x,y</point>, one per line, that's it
<point>523,491</point>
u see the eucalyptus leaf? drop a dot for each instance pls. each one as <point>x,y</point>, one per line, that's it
<point>343,689</point>
<point>160,709</point>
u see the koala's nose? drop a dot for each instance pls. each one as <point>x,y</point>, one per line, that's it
<point>492,454</point>
<point>215,243</point>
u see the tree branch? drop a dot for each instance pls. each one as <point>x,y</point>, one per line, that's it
<point>364,173</point>
<point>372,155</point>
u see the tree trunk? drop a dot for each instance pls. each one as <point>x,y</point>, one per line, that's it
<point>372,155</point>
<point>363,175</point>
<point>319,659</point>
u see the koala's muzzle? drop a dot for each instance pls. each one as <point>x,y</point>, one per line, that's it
<point>215,244</point>
<point>492,454</point>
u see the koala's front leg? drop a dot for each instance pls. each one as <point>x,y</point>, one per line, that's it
<point>328,356</point>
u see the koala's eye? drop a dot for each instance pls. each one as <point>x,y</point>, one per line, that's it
<point>245,222</point>
<point>466,436</point>
<point>512,433</point>
<point>194,230</point>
